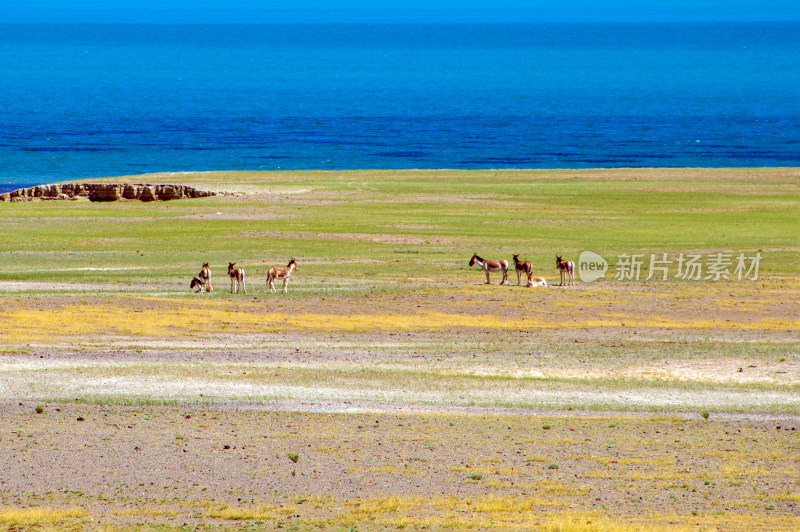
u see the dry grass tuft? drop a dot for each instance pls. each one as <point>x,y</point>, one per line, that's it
<point>32,517</point>
<point>259,513</point>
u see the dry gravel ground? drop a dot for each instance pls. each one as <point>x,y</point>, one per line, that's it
<point>232,467</point>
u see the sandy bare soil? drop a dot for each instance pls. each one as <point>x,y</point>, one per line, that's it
<point>232,466</point>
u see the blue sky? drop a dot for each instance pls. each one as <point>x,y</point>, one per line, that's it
<point>286,11</point>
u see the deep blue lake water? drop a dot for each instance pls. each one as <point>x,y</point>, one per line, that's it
<point>100,100</point>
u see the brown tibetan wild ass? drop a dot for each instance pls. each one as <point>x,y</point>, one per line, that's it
<point>491,266</point>
<point>536,281</point>
<point>197,283</point>
<point>280,273</point>
<point>522,267</point>
<point>205,277</point>
<point>566,268</point>
<point>525,267</point>
<point>237,277</point>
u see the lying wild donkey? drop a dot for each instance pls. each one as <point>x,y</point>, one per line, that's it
<point>528,270</point>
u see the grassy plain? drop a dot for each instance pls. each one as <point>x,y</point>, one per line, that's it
<point>384,319</point>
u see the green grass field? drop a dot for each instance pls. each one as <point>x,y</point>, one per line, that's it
<point>400,225</point>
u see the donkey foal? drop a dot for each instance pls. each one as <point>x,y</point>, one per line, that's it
<point>237,277</point>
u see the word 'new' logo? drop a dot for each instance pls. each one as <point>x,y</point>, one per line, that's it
<point>591,266</point>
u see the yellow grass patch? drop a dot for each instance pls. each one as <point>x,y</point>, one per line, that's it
<point>384,469</point>
<point>598,523</point>
<point>486,471</point>
<point>384,505</point>
<point>326,450</point>
<point>147,512</point>
<point>74,320</point>
<point>206,504</point>
<point>657,322</point>
<point>16,517</point>
<point>489,512</point>
<point>534,458</point>
<point>500,505</point>
<point>729,471</point>
<point>315,499</point>
<point>554,487</point>
<point>633,475</point>
<point>259,513</point>
<point>628,461</point>
<point>726,521</point>
<point>559,489</point>
<point>153,317</point>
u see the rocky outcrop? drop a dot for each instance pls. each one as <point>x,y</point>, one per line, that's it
<point>105,192</point>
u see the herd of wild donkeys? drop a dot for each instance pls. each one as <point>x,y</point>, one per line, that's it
<point>202,283</point>
<point>565,267</point>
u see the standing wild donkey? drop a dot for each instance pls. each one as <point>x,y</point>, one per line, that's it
<point>528,270</point>
<point>237,276</point>
<point>491,266</point>
<point>522,267</point>
<point>566,268</point>
<point>205,278</point>
<point>280,273</point>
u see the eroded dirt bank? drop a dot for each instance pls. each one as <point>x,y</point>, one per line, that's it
<point>105,192</point>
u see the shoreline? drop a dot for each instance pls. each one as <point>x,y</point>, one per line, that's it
<point>10,186</point>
